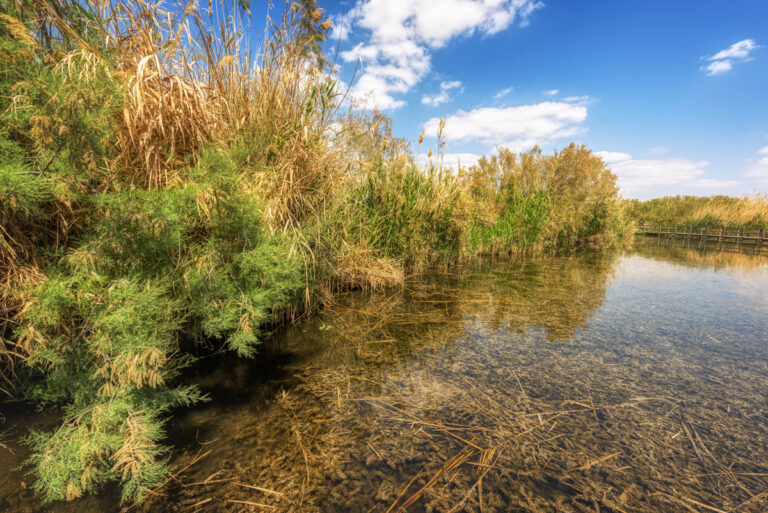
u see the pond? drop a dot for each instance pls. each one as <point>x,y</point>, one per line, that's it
<point>622,382</point>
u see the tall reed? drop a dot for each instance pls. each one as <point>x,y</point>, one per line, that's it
<point>749,211</point>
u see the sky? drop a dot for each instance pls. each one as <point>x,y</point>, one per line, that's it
<point>672,94</point>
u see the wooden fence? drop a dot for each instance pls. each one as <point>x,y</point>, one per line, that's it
<point>754,237</point>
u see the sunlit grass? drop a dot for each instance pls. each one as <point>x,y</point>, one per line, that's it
<point>702,211</point>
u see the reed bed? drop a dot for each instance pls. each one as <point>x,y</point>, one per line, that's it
<point>749,211</point>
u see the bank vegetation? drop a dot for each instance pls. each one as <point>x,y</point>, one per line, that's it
<point>719,211</point>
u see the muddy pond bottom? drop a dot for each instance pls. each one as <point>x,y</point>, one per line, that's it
<point>629,382</point>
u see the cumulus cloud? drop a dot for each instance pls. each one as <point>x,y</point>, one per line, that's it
<point>443,95</point>
<point>341,28</point>
<point>740,50</point>
<point>718,67</point>
<point>610,157</point>
<point>759,171</point>
<point>517,128</point>
<point>637,177</point>
<point>723,60</point>
<point>501,94</point>
<point>435,100</point>
<point>401,34</point>
<point>453,84</point>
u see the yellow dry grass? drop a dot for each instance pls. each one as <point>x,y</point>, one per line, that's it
<point>166,118</point>
<point>358,265</point>
<point>736,213</point>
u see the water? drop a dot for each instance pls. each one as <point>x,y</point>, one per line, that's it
<point>623,382</point>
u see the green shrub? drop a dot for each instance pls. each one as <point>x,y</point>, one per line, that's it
<point>106,328</point>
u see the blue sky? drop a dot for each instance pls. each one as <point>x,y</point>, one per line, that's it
<point>675,93</point>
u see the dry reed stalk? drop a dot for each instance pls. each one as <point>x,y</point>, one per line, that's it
<point>736,213</point>
<point>251,503</point>
<point>198,503</point>
<point>358,266</point>
<point>169,111</point>
<point>264,490</point>
<point>456,461</point>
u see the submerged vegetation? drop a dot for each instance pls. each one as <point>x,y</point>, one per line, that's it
<point>164,191</point>
<point>706,211</point>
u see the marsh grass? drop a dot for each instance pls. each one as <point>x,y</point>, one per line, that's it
<point>533,202</point>
<point>749,211</point>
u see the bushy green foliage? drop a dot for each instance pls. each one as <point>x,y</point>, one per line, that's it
<point>408,215</point>
<point>533,202</point>
<point>518,227</point>
<point>153,269</point>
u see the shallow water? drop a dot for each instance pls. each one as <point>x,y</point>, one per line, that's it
<point>624,382</point>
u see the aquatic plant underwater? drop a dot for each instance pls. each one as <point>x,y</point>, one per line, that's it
<point>165,191</point>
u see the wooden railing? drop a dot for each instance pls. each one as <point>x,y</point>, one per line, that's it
<point>758,237</point>
<point>757,234</point>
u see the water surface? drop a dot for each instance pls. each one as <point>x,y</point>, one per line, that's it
<point>623,382</point>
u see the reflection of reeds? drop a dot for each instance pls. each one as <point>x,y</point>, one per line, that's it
<point>677,252</point>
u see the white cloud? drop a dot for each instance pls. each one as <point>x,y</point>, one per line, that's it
<point>517,128</point>
<point>718,67</point>
<point>658,150</point>
<point>443,95</point>
<point>401,34</point>
<point>577,99</point>
<point>613,156</point>
<point>712,183</point>
<point>451,160</point>
<point>723,60</point>
<point>551,92</point>
<point>453,84</point>
<point>341,28</point>
<point>436,100</point>
<point>501,94</point>
<point>738,50</point>
<point>637,177</point>
<point>759,171</point>
<point>759,168</point>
